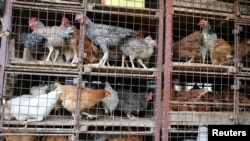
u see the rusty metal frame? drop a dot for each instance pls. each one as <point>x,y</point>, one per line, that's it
<point>168,68</point>
<point>157,111</point>
<point>3,49</point>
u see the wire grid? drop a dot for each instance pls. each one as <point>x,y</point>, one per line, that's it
<point>226,99</point>
<point>26,69</point>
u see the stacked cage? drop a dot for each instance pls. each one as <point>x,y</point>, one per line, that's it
<point>82,70</point>
<point>208,81</point>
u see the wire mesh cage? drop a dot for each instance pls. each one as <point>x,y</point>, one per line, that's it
<point>203,87</point>
<point>94,67</point>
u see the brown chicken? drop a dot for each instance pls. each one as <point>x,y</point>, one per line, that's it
<point>127,138</point>
<point>20,138</point>
<point>222,52</point>
<point>228,97</point>
<point>244,48</point>
<point>188,48</point>
<point>89,98</point>
<point>54,138</point>
<point>192,94</point>
<point>90,50</point>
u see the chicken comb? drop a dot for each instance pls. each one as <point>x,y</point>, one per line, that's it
<point>149,96</point>
<point>201,21</point>
<point>32,19</point>
<point>65,21</point>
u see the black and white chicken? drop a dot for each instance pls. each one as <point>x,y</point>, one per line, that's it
<point>104,36</point>
<point>138,48</point>
<point>208,39</point>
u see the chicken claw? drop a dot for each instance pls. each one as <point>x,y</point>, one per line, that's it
<point>89,115</point>
<point>132,117</point>
<point>74,60</point>
<point>104,59</point>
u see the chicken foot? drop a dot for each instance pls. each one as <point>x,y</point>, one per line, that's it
<point>104,58</point>
<point>50,52</point>
<point>132,117</point>
<point>75,52</point>
<point>89,115</point>
<point>124,61</point>
<point>32,120</point>
<point>102,61</point>
<point>56,55</point>
<point>141,63</point>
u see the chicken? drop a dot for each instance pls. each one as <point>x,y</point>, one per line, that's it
<point>30,107</point>
<point>127,138</point>
<point>141,49</point>
<point>108,137</point>
<point>222,53</point>
<point>92,52</point>
<point>130,102</point>
<point>55,37</point>
<point>35,42</point>
<point>110,102</point>
<point>40,89</point>
<point>104,36</point>
<point>188,48</point>
<point>173,91</point>
<point>208,39</point>
<point>244,48</point>
<point>54,138</point>
<point>20,138</point>
<point>89,98</point>
<point>193,94</point>
<point>72,52</point>
<point>115,54</point>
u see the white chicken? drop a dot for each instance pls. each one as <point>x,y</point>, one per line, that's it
<point>31,108</point>
<point>110,102</point>
<point>208,39</point>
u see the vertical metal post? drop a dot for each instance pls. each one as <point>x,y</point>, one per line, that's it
<point>158,112</point>
<point>168,67</point>
<point>236,61</point>
<point>4,44</point>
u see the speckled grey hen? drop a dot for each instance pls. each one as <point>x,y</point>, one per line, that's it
<point>141,49</point>
<point>104,35</point>
<point>130,102</point>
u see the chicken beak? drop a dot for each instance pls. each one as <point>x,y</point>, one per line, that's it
<point>107,93</point>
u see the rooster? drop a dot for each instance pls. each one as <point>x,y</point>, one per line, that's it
<point>208,39</point>
<point>222,53</point>
<point>104,36</point>
<point>89,98</point>
<point>55,36</point>
<point>141,49</point>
